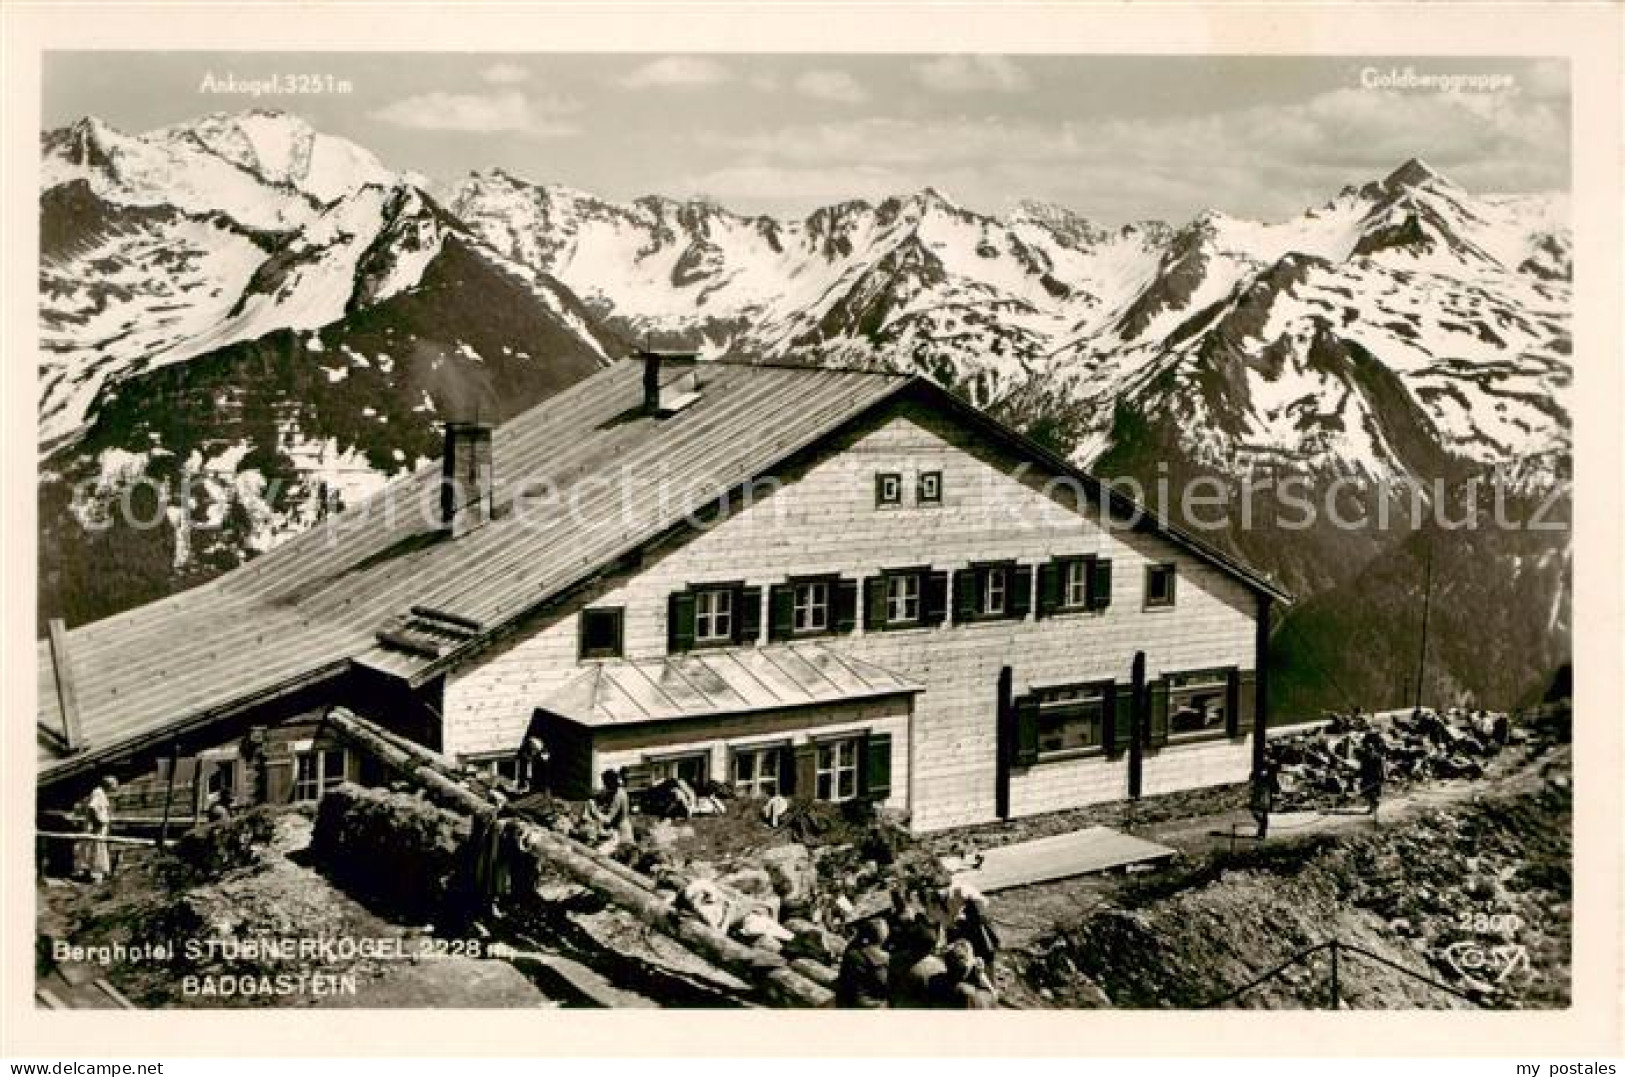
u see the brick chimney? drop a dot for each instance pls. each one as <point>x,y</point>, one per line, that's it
<point>465,477</point>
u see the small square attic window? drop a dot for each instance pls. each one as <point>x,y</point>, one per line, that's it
<point>888,489</point>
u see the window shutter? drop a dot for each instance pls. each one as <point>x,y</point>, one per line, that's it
<point>965,587</point>
<point>748,625</point>
<point>875,777</point>
<point>787,771</point>
<point>1242,702</point>
<point>934,597</point>
<point>845,597</point>
<point>1049,588</point>
<point>780,610</point>
<point>1157,731</point>
<point>806,781</point>
<point>680,622</point>
<point>1021,591</point>
<point>1026,753</point>
<point>874,603</point>
<point>1119,719</point>
<point>1100,584</point>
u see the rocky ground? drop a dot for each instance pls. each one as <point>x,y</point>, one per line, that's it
<point>246,881</point>
<point>1466,884</point>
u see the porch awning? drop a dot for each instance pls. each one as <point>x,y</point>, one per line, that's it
<point>696,685</point>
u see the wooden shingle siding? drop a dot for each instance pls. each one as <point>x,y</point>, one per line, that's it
<point>823,520</point>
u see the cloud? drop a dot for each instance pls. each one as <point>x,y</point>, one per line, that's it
<point>505,74</point>
<point>677,72</point>
<point>972,74</point>
<point>489,113</point>
<point>774,184</point>
<point>830,85</point>
<point>1264,161</point>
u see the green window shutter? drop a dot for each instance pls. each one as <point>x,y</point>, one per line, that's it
<point>1049,588</point>
<point>875,776</point>
<point>780,611</point>
<point>806,783</point>
<point>874,603</point>
<point>966,584</point>
<point>934,597</point>
<point>1242,702</point>
<point>1100,584</point>
<point>748,625</point>
<point>845,597</point>
<point>1021,591</point>
<point>1157,726</point>
<point>787,771</point>
<point>1026,749</point>
<point>1119,719</point>
<point>680,622</point>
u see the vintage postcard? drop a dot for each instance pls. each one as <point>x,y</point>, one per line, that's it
<point>1098,514</point>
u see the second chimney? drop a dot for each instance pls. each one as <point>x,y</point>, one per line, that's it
<point>465,477</point>
<point>663,396</point>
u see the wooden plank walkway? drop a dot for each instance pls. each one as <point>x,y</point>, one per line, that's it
<point>1080,852</point>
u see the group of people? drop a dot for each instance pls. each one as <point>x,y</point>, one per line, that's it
<point>933,950</point>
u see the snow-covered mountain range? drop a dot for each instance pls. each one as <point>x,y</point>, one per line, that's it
<point>248,299</point>
<point>1462,299</point>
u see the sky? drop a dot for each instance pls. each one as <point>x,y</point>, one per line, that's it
<point>1116,138</point>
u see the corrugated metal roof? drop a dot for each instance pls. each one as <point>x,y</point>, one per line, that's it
<point>700,684</point>
<point>323,596</point>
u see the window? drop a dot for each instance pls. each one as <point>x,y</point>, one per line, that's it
<point>601,633</point>
<point>888,489</point>
<point>995,591</point>
<point>810,610</point>
<point>1071,719</point>
<point>316,770</point>
<point>838,770</point>
<point>693,768</point>
<point>714,616</point>
<point>1075,584</point>
<point>1198,702</point>
<point>756,771</point>
<point>504,768</point>
<point>903,598</point>
<point>930,492</point>
<point>1159,585</point>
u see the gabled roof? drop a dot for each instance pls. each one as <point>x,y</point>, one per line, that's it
<point>600,477</point>
<point>633,691</point>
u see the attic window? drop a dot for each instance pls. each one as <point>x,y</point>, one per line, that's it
<point>888,489</point>
<point>930,492</point>
<point>1159,586</point>
<point>601,633</point>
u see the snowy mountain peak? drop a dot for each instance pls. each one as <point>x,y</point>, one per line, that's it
<point>1415,173</point>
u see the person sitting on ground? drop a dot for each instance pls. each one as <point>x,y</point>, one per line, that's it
<point>612,812</point>
<point>914,965</point>
<point>861,982</point>
<point>964,983</point>
<point>974,927</point>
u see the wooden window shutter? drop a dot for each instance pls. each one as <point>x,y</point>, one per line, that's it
<point>1157,713</point>
<point>787,771</point>
<point>934,597</point>
<point>1242,701</point>
<point>748,623</point>
<point>874,603</point>
<point>806,779</point>
<point>1118,721</point>
<point>875,776</point>
<point>1026,747</point>
<point>966,582</point>
<point>780,611</point>
<point>845,598</point>
<point>680,622</point>
<point>1021,591</point>
<point>1049,588</point>
<point>1100,583</point>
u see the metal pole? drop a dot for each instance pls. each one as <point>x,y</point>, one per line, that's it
<point>169,791</point>
<point>1336,993</point>
<point>1427,595</point>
